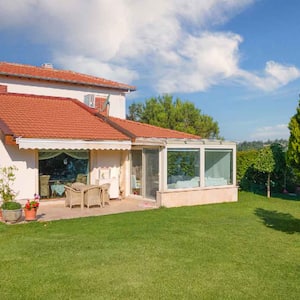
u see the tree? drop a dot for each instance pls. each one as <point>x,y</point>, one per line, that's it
<point>179,115</point>
<point>257,145</point>
<point>280,169</point>
<point>265,163</point>
<point>293,152</point>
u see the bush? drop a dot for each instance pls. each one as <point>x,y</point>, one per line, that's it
<point>11,205</point>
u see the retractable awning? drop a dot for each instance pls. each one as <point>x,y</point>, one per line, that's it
<point>71,144</point>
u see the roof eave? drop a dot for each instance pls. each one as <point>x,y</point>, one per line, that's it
<point>72,144</point>
<point>122,88</point>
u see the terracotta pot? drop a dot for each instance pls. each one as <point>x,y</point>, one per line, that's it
<point>30,214</point>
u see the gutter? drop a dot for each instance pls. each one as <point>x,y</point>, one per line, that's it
<point>125,89</point>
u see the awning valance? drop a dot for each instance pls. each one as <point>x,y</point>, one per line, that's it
<point>59,144</point>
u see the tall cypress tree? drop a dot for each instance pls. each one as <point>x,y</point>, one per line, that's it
<point>293,153</point>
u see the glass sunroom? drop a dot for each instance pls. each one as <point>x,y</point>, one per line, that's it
<point>185,172</point>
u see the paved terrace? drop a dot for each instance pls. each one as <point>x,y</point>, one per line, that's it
<point>50,210</point>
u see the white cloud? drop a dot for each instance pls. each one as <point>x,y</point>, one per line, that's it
<point>93,66</point>
<point>279,131</point>
<point>200,62</point>
<point>170,44</point>
<point>276,75</point>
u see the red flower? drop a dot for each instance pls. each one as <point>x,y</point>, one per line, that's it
<point>33,203</point>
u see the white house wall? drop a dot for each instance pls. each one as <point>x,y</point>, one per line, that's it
<point>117,99</point>
<point>197,196</point>
<point>26,183</point>
<point>105,168</point>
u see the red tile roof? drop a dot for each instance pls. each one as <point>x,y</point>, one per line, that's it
<point>32,116</point>
<point>55,75</point>
<point>142,130</point>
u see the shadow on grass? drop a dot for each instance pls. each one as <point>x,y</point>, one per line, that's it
<point>279,221</point>
<point>290,197</point>
<point>281,196</point>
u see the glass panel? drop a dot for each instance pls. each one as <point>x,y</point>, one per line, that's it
<point>136,172</point>
<point>218,167</point>
<point>183,168</point>
<point>63,168</point>
<point>152,172</point>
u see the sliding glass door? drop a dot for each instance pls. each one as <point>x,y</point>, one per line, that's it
<point>145,172</point>
<point>151,172</point>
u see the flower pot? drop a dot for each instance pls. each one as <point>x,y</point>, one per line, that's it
<point>30,214</point>
<point>11,216</point>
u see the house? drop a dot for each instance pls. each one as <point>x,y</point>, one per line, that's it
<point>60,126</point>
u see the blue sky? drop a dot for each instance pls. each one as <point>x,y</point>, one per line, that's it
<point>237,60</point>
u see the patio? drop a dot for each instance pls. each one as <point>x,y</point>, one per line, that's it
<point>51,210</point>
<point>55,209</point>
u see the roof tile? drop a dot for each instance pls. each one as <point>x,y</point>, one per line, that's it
<point>33,116</point>
<point>142,130</point>
<point>55,75</point>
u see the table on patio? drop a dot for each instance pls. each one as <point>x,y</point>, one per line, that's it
<point>57,189</point>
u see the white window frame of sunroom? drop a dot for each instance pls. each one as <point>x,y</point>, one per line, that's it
<point>216,175</point>
<point>206,145</point>
<point>186,149</point>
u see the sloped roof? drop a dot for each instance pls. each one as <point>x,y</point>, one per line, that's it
<point>142,130</point>
<point>32,116</point>
<point>62,76</point>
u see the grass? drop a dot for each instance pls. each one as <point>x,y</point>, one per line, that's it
<point>244,250</point>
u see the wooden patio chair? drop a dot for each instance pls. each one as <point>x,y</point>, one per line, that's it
<point>73,197</point>
<point>92,196</point>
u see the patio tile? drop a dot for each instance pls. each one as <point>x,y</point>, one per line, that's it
<point>56,210</point>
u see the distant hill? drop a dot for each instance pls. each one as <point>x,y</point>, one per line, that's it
<point>256,145</point>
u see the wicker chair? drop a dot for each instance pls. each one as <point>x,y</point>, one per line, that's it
<point>44,186</point>
<point>92,196</point>
<point>73,197</point>
<point>81,178</point>
<point>105,193</point>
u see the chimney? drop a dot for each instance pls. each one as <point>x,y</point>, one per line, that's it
<point>47,66</point>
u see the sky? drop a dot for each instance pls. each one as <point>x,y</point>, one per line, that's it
<point>238,61</point>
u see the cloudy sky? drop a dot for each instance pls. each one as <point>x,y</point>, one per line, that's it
<point>237,60</point>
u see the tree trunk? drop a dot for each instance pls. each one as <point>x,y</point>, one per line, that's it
<point>268,185</point>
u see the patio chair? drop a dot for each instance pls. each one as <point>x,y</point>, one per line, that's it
<point>81,178</point>
<point>92,196</point>
<point>78,186</point>
<point>73,197</point>
<point>44,186</point>
<point>105,193</point>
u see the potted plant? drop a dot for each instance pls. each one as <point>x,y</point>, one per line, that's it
<point>30,208</point>
<point>11,210</point>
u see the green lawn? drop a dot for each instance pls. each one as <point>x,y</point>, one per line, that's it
<point>244,250</point>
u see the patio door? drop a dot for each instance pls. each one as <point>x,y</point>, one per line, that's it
<point>145,172</point>
<point>151,172</point>
<point>136,172</point>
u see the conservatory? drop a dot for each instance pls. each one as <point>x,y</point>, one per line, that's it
<point>185,172</point>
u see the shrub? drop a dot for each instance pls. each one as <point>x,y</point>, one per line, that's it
<point>11,205</point>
